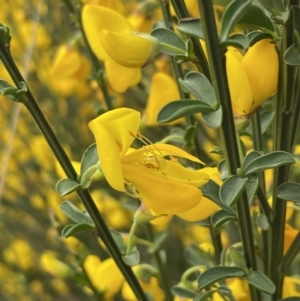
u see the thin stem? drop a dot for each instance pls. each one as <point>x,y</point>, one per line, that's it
<point>182,13</point>
<point>160,265</point>
<point>290,255</point>
<point>217,62</point>
<point>283,141</point>
<point>68,168</point>
<point>131,238</point>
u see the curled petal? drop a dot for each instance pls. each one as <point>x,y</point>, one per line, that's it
<point>261,67</point>
<point>202,210</point>
<point>120,77</point>
<point>96,18</point>
<point>160,193</point>
<point>128,50</point>
<point>240,90</point>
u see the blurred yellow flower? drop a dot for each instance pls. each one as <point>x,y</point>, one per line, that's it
<point>290,287</point>
<point>163,90</point>
<point>50,264</point>
<point>252,78</point>
<point>145,168</point>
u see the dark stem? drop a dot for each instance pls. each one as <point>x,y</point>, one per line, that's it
<point>283,141</point>
<point>217,62</point>
<point>66,164</point>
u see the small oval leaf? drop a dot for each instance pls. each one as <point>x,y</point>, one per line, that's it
<point>89,158</point>
<point>221,217</point>
<point>270,160</point>
<point>132,259</point>
<point>183,292</point>
<point>292,56</point>
<point>198,85</point>
<point>191,27</point>
<point>204,295</point>
<point>66,186</point>
<point>73,229</point>
<point>232,189</point>
<point>215,274</point>
<point>171,43</point>
<point>260,281</point>
<point>182,108</point>
<point>289,191</point>
<point>76,214</point>
<point>213,119</point>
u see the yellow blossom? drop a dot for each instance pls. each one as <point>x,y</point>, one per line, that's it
<point>145,168</point>
<point>252,78</point>
<point>111,38</point>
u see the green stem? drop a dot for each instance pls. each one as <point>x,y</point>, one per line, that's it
<point>216,240</point>
<point>68,168</point>
<point>283,141</point>
<point>164,277</point>
<point>217,62</point>
<point>182,13</point>
<point>131,238</point>
<point>290,255</point>
<point>190,271</point>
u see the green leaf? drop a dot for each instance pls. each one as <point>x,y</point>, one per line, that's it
<point>6,89</point>
<point>85,179</point>
<point>237,40</point>
<point>251,188</point>
<point>232,189</point>
<point>292,56</point>
<point>196,256</point>
<point>75,214</point>
<point>232,15</point>
<point>261,282</point>
<point>262,222</point>
<point>191,27</point>
<point>198,85</point>
<point>237,258</point>
<point>171,43</point>
<point>204,295</point>
<point>296,12</point>
<point>255,18</point>
<point>256,36</point>
<point>118,238</point>
<point>72,229</point>
<point>250,157</point>
<point>266,118</point>
<point>222,167</point>
<point>182,108</point>
<point>213,119</point>
<point>66,186</point>
<point>133,258</point>
<point>89,158</point>
<point>217,150</point>
<point>183,292</point>
<point>270,160</point>
<point>289,191</point>
<point>189,136</point>
<point>146,271</point>
<point>218,273</point>
<point>221,217</point>
<point>211,190</point>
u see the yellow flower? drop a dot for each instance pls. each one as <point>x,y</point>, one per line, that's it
<point>163,90</point>
<point>145,168</point>
<point>111,38</point>
<point>252,78</point>
<point>290,287</point>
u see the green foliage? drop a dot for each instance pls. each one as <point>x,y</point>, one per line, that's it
<point>133,258</point>
<point>221,217</point>
<point>75,214</point>
<point>183,292</point>
<point>260,281</point>
<point>67,186</point>
<point>12,92</point>
<point>191,26</point>
<point>289,191</point>
<point>218,273</point>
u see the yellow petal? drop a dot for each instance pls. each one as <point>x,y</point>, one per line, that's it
<point>240,90</point>
<point>202,210</point>
<point>120,77</point>
<point>290,287</point>
<point>96,18</point>
<point>66,62</point>
<point>261,67</point>
<point>108,278</point>
<point>160,193</point>
<point>127,49</point>
<point>163,90</point>
<point>113,138</point>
